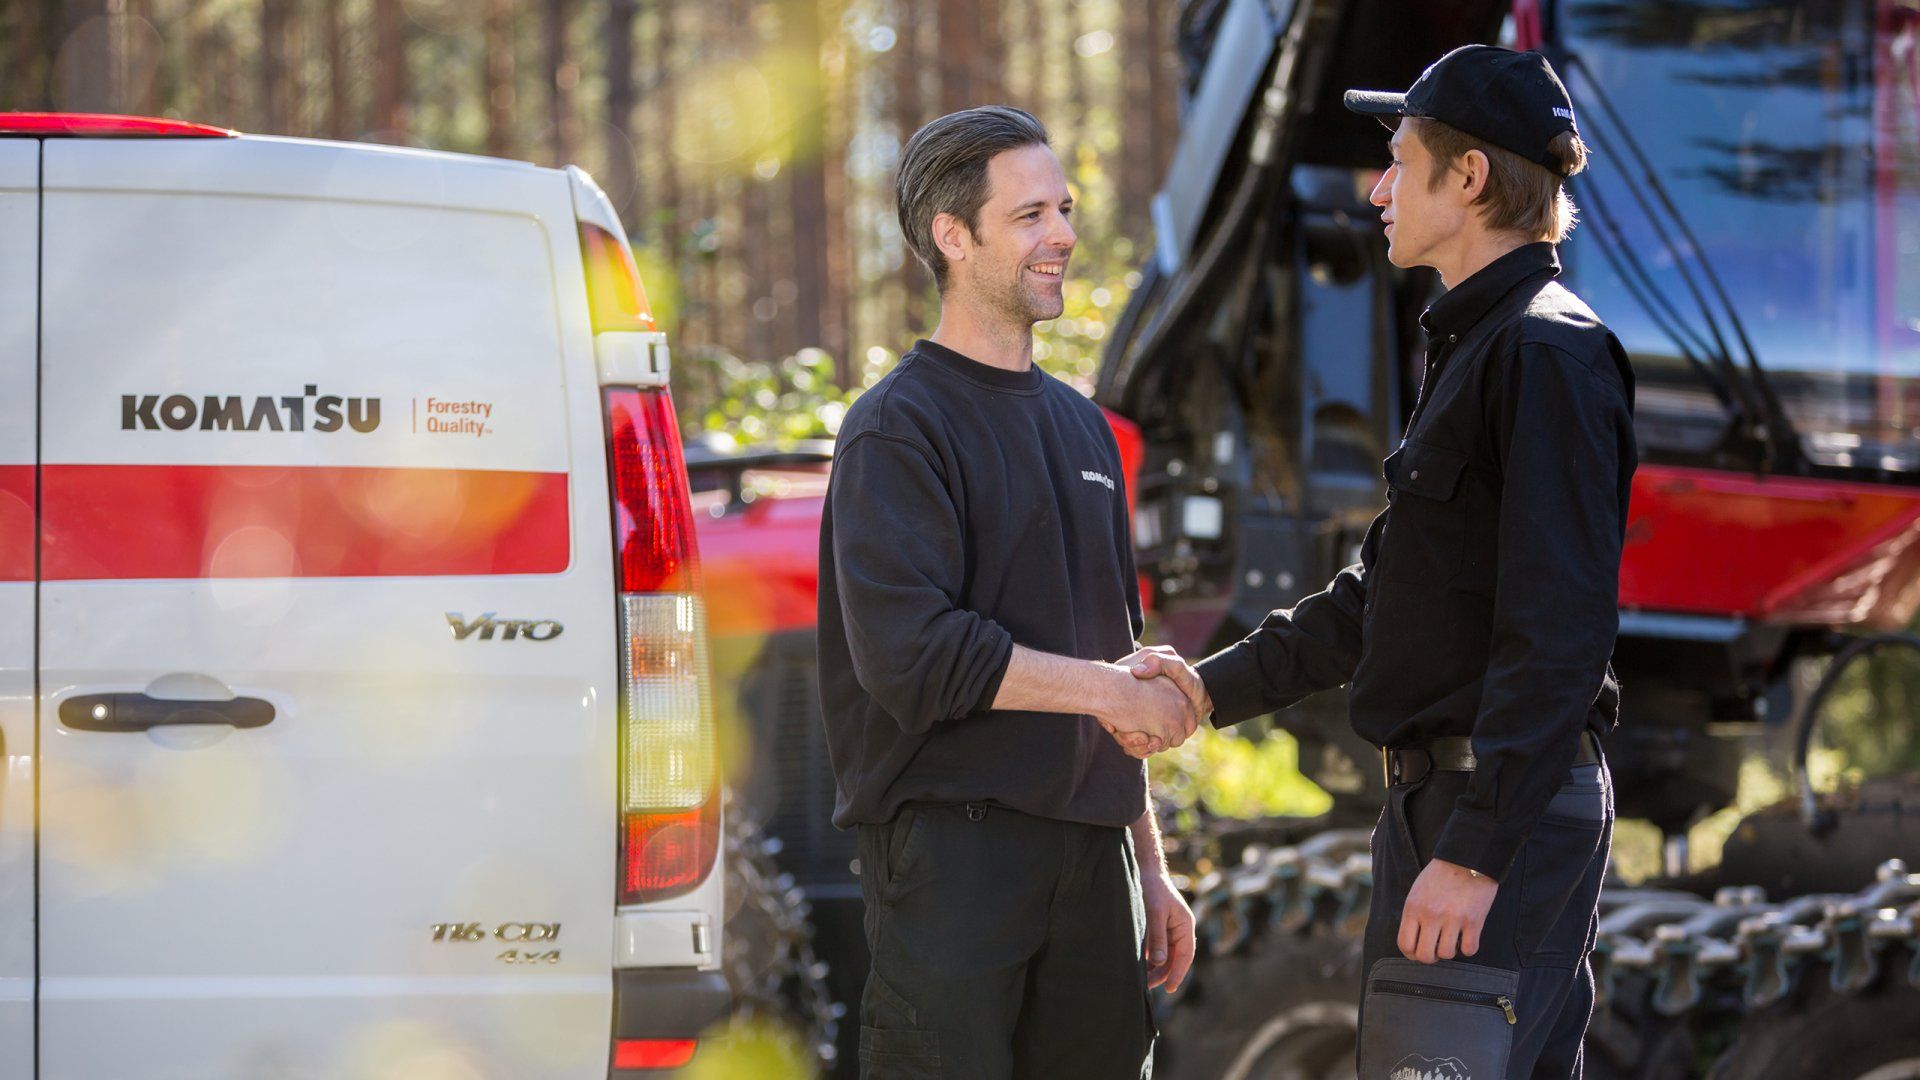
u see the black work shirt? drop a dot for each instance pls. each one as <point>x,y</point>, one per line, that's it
<point>971,507</point>
<point>1485,602</point>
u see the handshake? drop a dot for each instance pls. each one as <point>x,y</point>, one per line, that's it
<point>1158,706</point>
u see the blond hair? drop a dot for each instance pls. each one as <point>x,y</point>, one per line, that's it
<point>1521,196</point>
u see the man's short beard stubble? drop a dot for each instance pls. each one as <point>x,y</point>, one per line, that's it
<point>1014,301</point>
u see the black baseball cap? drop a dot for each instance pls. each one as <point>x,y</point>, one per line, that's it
<point>1510,99</point>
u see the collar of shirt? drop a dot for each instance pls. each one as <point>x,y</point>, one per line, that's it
<point>993,378</point>
<point>1455,312</point>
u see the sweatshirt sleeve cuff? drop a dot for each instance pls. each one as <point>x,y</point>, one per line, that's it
<point>1472,839</point>
<point>992,688</point>
<point>1232,679</point>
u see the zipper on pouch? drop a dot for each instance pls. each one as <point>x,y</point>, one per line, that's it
<point>1442,993</point>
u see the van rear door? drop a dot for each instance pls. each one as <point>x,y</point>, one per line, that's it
<point>19,302</point>
<point>327,630</point>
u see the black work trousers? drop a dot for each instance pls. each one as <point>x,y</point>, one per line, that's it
<point>1004,945</point>
<point>1543,918</point>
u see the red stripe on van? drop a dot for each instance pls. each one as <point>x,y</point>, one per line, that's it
<point>264,521</point>
<point>16,523</point>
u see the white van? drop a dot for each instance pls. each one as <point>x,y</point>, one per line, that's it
<point>350,660</point>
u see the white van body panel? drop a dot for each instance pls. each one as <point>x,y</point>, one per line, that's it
<point>19,300</point>
<point>264,901</point>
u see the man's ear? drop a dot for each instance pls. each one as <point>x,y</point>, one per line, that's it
<point>950,235</point>
<point>1474,171</point>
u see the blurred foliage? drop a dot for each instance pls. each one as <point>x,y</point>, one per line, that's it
<point>1230,776</point>
<point>1866,729</point>
<point>1872,718</point>
<point>764,1050</point>
<point>727,400</point>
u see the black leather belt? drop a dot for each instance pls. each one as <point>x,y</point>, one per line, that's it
<point>1454,753</point>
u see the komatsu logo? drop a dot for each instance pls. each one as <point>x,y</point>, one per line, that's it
<point>212,412</point>
<point>487,626</point>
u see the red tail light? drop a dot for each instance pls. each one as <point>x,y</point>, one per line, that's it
<point>98,125</point>
<point>668,853</point>
<point>614,293</point>
<point>669,804</point>
<point>653,514</point>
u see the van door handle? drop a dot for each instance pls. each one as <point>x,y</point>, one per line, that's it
<point>138,712</point>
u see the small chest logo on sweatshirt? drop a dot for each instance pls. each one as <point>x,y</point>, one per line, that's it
<point>1098,478</point>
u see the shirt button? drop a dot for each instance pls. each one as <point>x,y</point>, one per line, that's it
<point>1414,475</point>
<point>1453,339</point>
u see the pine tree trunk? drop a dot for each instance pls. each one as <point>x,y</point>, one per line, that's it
<point>807,193</point>
<point>621,181</point>
<point>989,75</point>
<point>273,67</point>
<point>1163,88</point>
<point>339,85</point>
<point>497,77</point>
<point>391,84</point>
<point>30,28</point>
<point>83,76</point>
<point>958,37</point>
<point>152,81</point>
<point>908,114</point>
<point>1026,58</point>
<point>667,211</point>
<point>562,76</point>
<point>298,92</point>
<point>1139,56</point>
<point>1075,126</point>
<point>837,95</point>
<point>202,50</point>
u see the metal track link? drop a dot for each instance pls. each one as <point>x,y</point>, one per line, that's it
<point>771,964</point>
<point>1686,945</point>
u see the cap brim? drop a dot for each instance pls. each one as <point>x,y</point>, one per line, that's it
<point>1377,102</point>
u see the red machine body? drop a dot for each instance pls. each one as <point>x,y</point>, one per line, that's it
<point>760,558</point>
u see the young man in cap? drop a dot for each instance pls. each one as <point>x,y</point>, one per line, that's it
<point>976,585</point>
<point>1476,631</point>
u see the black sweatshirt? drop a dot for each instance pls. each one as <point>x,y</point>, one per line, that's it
<point>1485,601</point>
<point>970,508</point>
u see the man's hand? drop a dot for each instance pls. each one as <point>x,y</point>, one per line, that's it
<point>1169,930</point>
<point>1445,912</point>
<point>1147,716</point>
<point>1137,744</point>
<point>1157,661</point>
<point>1153,663</point>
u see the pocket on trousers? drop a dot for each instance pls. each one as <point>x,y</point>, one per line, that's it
<point>897,848</point>
<point>1578,804</point>
<point>891,1043</point>
<point>1444,1019</point>
<point>899,1052</point>
<point>1559,884</point>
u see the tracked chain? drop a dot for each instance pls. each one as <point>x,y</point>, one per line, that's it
<point>1684,944</point>
<point>770,963</point>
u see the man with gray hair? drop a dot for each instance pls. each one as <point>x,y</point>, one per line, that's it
<point>978,634</point>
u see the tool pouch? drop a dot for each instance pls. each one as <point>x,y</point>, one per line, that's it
<point>1444,1021</point>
